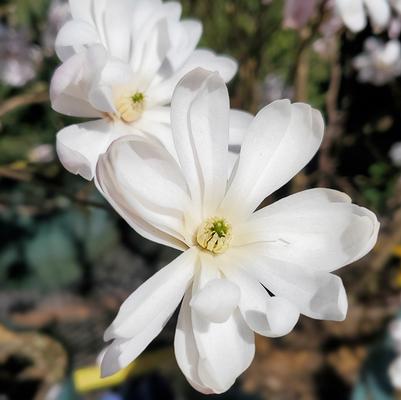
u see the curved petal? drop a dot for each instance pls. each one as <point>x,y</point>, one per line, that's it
<point>71,82</point>
<point>80,146</point>
<point>379,13</point>
<point>225,349</point>
<point>162,89</point>
<point>216,301</point>
<point>155,300</point>
<point>353,14</point>
<point>73,37</point>
<point>317,228</point>
<point>239,125</point>
<point>185,349</point>
<point>185,36</point>
<point>200,108</point>
<point>114,74</point>
<point>137,196</point>
<point>316,294</point>
<point>124,351</point>
<point>281,140</point>
<point>266,315</point>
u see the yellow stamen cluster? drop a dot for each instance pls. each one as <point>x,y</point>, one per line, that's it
<point>214,235</point>
<point>131,107</point>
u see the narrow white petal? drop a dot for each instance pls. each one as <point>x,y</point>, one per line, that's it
<point>266,315</point>
<point>73,37</point>
<point>239,125</point>
<point>217,300</point>
<point>317,228</point>
<point>152,201</point>
<point>225,349</point>
<point>353,14</point>
<point>80,146</point>
<point>114,74</point>
<point>155,300</point>
<point>122,352</point>
<point>199,110</point>
<point>281,140</point>
<point>161,91</point>
<point>71,81</point>
<point>317,294</point>
<point>185,349</point>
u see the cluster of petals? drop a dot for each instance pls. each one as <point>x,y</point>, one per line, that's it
<point>355,13</point>
<point>394,370</point>
<point>121,60</point>
<point>380,62</point>
<point>278,261</point>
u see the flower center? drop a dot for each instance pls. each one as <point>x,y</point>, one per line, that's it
<point>131,107</point>
<point>214,235</point>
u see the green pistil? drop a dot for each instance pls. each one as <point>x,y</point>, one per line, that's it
<point>220,227</point>
<point>138,97</point>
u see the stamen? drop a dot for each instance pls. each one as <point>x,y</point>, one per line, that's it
<point>214,235</point>
<point>130,108</point>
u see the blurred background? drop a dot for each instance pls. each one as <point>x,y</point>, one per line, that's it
<point>67,261</point>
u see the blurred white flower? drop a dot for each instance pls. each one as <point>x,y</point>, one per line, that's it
<point>58,15</point>
<point>19,59</point>
<point>395,156</point>
<point>355,12</point>
<point>380,62</point>
<point>44,153</point>
<point>231,252</point>
<point>395,367</point>
<point>121,62</point>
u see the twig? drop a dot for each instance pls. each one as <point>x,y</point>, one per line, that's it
<point>25,99</point>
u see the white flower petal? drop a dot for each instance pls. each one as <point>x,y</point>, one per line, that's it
<point>317,294</point>
<point>266,315</point>
<point>200,108</point>
<point>216,301</point>
<point>317,228</point>
<point>353,14</point>
<point>379,12</point>
<point>79,146</point>
<point>155,300</point>
<point>137,196</point>
<point>239,125</point>
<point>70,84</point>
<point>185,349</point>
<point>281,140</point>
<point>72,38</point>
<point>114,74</point>
<point>225,349</point>
<point>122,352</point>
<point>162,90</point>
<point>185,37</point>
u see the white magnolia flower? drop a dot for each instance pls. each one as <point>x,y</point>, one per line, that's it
<point>231,253</point>
<point>19,59</point>
<point>355,12</point>
<point>380,62</point>
<point>121,62</point>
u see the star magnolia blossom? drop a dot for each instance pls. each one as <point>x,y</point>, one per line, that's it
<point>231,252</point>
<point>380,63</point>
<point>354,13</point>
<point>121,62</point>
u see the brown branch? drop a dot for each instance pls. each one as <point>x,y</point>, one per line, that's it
<point>22,100</point>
